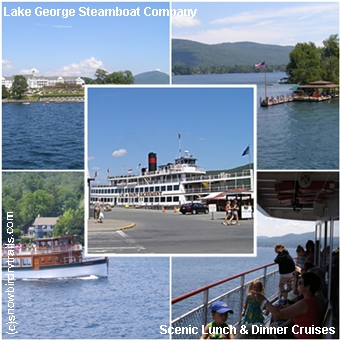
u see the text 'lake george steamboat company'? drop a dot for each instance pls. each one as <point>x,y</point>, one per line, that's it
<point>98,12</point>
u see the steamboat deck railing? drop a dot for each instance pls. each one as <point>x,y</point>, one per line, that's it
<point>235,298</point>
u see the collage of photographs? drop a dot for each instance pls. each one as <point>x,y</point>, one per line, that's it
<point>170,170</point>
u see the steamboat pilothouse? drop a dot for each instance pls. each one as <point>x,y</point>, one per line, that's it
<point>169,185</point>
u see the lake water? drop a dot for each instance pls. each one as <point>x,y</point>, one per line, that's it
<point>131,303</point>
<point>289,136</point>
<point>43,136</point>
<point>192,273</point>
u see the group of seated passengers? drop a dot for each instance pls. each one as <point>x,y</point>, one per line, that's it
<point>306,311</point>
<point>305,307</point>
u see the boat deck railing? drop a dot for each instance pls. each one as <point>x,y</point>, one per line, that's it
<point>126,180</point>
<point>41,250</point>
<point>234,297</point>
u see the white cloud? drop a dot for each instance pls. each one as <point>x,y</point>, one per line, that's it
<point>7,65</point>
<point>85,67</point>
<point>271,227</point>
<point>90,158</point>
<point>29,71</point>
<point>61,26</point>
<point>298,12</point>
<point>287,25</point>
<point>119,153</point>
<point>179,21</point>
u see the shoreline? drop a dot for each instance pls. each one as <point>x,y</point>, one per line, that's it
<point>46,100</point>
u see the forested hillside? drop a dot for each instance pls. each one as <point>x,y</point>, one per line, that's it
<point>48,194</point>
<point>235,57</point>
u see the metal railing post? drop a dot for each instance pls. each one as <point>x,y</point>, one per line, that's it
<point>241,303</point>
<point>264,277</point>
<point>205,307</point>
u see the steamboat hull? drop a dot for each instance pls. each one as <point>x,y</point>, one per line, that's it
<point>96,267</point>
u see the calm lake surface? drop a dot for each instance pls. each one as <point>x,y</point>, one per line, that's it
<point>289,136</point>
<point>131,303</point>
<point>43,136</point>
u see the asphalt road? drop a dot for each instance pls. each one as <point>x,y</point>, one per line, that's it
<point>168,233</point>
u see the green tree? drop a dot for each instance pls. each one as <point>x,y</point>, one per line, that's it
<point>100,75</point>
<point>305,64</point>
<point>88,80</point>
<point>32,182</point>
<point>19,86</point>
<point>121,77</point>
<point>5,92</point>
<point>33,204</point>
<point>72,223</point>
<point>330,59</point>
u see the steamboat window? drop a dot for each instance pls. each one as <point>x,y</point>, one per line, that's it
<point>152,189</point>
<point>169,199</point>
<point>169,187</point>
<point>141,189</point>
<point>157,199</point>
<point>16,262</point>
<point>146,200</point>
<point>176,187</point>
<point>151,199</point>
<point>26,262</point>
<point>120,190</point>
<point>146,189</point>
<point>163,188</point>
<point>157,188</point>
<point>175,199</point>
<point>163,199</point>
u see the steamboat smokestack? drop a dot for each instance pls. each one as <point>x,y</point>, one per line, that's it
<point>152,162</point>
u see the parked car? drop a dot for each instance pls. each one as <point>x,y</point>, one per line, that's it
<point>193,208</point>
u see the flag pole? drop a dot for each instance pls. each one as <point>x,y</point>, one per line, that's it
<point>179,135</point>
<point>266,95</point>
<point>249,157</point>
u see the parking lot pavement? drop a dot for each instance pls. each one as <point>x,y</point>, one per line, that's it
<point>168,233</point>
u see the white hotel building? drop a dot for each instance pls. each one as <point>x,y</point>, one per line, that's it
<point>41,81</point>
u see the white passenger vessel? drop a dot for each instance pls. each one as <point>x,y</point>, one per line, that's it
<point>169,185</point>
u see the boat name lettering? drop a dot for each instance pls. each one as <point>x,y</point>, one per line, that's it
<point>145,194</point>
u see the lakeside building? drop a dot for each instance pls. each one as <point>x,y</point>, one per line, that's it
<point>43,226</point>
<point>36,82</point>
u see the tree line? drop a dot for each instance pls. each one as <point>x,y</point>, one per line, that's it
<point>188,70</point>
<point>105,77</point>
<point>48,194</point>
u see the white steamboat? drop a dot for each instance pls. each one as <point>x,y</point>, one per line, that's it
<point>169,185</point>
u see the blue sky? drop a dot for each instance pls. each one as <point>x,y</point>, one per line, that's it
<point>125,124</point>
<point>279,23</point>
<point>77,46</point>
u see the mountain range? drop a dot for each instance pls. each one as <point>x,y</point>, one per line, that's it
<point>290,240</point>
<point>194,54</point>
<point>152,77</point>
